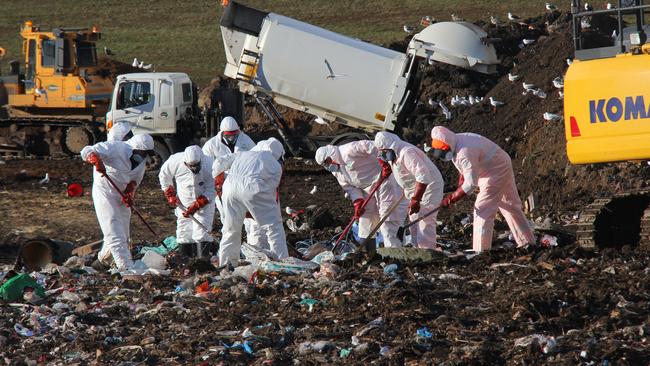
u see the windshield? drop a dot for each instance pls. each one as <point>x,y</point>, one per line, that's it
<point>133,93</point>
<point>86,54</point>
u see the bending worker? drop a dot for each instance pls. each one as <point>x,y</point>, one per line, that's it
<point>124,163</point>
<point>186,180</point>
<point>482,163</point>
<point>419,178</point>
<point>251,186</point>
<point>355,167</point>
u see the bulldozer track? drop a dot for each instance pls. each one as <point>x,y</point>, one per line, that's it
<point>592,234</point>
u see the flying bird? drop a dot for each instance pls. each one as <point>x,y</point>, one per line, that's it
<point>135,62</point>
<point>551,116</point>
<point>513,18</point>
<point>512,77</point>
<point>332,75</point>
<point>551,7</point>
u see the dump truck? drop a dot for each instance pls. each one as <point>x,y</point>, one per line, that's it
<point>606,108</point>
<point>56,104</point>
<point>336,78</point>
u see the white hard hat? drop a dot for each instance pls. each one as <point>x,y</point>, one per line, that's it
<point>141,142</point>
<point>228,124</point>
<point>192,154</point>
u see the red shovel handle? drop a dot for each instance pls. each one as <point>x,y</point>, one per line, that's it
<point>132,207</point>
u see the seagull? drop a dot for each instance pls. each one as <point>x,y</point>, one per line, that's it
<point>432,102</point>
<point>472,100</point>
<point>610,6</point>
<point>513,17</point>
<point>528,41</point>
<point>320,121</point>
<point>313,190</point>
<point>569,61</point>
<point>45,180</point>
<point>551,7</point>
<point>135,62</point>
<point>332,75</point>
<point>456,18</point>
<point>146,67</point>
<point>108,51</point>
<point>539,93</point>
<point>289,210</point>
<point>455,100</point>
<point>551,116</point>
<point>408,28</point>
<point>495,103</point>
<point>558,82</point>
<point>585,23</point>
<point>588,7</point>
<point>41,92</point>
<point>445,110</point>
<point>528,87</point>
<point>494,20</point>
<point>512,77</point>
<point>561,94</point>
<point>431,61</point>
<point>614,35</point>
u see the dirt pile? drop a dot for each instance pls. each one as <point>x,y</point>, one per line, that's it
<point>109,67</point>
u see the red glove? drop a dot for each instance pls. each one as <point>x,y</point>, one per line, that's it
<point>200,202</point>
<point>358,209</point>
<point>218,183</point>
<point>170,194</point>
<point>95,160</point>
<point>461,179</point>
<point>454,197</point>
<point>129,194</point>
<point>414,205</point>
<point>385,169</point>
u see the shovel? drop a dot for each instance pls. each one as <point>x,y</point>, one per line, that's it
<point>400,231</point>
<point>132,207</point>
<point>369,243</point>
<point>365,202</point>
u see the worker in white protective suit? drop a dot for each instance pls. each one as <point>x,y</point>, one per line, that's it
<point>186,180</point>
<point>228,140</point>
<point>251,186</point>
<point>356,169</point>
<point>419,178</point>
<point>124,163</point>
<point>482,163</point>
<point>120,131</point>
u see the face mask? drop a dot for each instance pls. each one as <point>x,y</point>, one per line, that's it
<point>387,155</point>
<point>332,168</point>
<point>230,139</point>
<point>448,156</point>
<point>194,168</point>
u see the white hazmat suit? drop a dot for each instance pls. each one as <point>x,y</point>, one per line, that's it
<point>483,164</point>
<point>410,167</point>
<point>218,146</point>
<point>188,187</point>
<point>119,131</point>
<point>113,215</point>
<point>251,186</point>
<point>358,171</point>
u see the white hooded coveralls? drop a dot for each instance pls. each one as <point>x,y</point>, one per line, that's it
<point>411,165</point>
<point>359,171</point>
<point>251,186</point>
<point>113,216</point>
<point>485,165</point>
<point>188,187</point>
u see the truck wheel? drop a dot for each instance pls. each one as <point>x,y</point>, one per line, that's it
<point>160,154</point>
<point>76,138</point>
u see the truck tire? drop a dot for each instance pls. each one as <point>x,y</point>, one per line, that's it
<point>75,138</point>
<point>160,155</point>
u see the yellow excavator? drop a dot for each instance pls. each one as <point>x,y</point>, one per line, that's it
<point>56,104</point>
<point>607,118</point>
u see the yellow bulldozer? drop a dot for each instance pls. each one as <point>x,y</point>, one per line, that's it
<point>55,105</point>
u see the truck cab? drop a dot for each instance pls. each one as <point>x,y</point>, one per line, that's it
<point>160,104</point>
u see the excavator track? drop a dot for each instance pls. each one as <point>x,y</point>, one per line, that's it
<point>26,137</point>
<point>623,219</point>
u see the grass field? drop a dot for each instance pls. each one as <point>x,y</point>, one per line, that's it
<point>184,35</point>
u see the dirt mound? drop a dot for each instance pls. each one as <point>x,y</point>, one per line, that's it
<point>109,67</point>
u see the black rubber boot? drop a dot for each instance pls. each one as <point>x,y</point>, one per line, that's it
<point>187,249</point>
<point>210,248</point>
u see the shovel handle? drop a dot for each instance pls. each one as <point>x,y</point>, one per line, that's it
<point>133,208</point>
<point>363,205</point>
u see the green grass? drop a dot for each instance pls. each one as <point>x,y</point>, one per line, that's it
<point>184,35</point>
